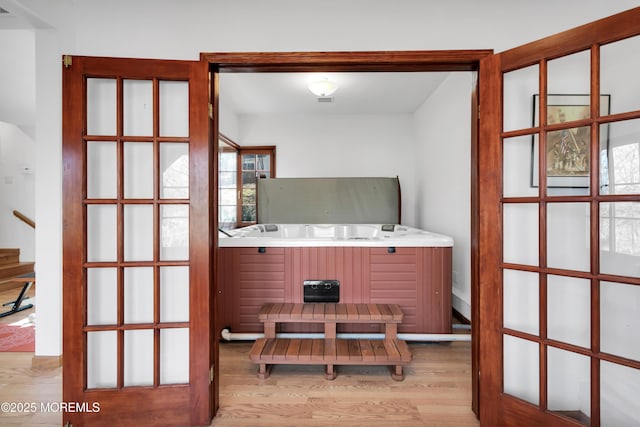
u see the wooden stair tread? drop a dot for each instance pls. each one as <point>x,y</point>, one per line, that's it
<point>327,351</point>
<point>8,271</point>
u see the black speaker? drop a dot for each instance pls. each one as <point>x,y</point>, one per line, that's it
<point>321,291</point>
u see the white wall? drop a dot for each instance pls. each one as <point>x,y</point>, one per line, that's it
<point>442,157</point>
<point>338,146</point>
<point>17,76</point>
<point>181,30</point>
<point>17,145</point>
<point>48,193</point>
<point>17,190</point>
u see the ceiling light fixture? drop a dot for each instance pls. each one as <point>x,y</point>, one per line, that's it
<point>323,87</point>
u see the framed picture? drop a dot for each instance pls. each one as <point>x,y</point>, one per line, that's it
<point>568,152</point>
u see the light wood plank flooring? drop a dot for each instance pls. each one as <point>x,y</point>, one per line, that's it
<point>436,391</point>
<point>19,382</point>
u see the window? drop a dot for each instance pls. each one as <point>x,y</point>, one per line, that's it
<point>239,169</point>
<point>227,183</point>
<point>254,163</point>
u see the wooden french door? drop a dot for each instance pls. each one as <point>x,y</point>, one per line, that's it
<point>559,242</point>
<point>137,243</point>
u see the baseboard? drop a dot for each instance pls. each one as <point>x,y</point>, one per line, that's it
<point>462,308</point>
<point>46,362</point>
<point>460,318</point>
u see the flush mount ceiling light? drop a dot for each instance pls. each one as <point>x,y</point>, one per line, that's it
<point>323,87</point>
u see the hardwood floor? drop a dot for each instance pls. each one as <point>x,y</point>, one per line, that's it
<point>436,391</point>
<point>19,382</point>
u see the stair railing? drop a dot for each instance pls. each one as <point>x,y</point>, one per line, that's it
<point>22,217</point>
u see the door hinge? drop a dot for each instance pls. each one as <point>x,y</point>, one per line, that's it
<point>211,111</point>
<point>211,374</point>
<point>67,61</point>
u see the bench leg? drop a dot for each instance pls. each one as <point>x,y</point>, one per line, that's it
<point>264,371</point>
<point>397,374</point>
<point>330,373</point>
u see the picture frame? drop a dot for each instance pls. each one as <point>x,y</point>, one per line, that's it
<point>568,150</point>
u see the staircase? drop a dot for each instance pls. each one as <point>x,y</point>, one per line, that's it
<point>10,265</point>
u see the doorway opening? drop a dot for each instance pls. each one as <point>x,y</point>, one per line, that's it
<point>248,74</point>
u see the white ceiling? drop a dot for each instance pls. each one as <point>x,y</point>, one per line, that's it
<point>357,93</point>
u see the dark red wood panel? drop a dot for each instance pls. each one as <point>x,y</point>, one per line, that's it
<point>417,279</point>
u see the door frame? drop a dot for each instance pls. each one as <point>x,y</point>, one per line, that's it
<point>372,61</point>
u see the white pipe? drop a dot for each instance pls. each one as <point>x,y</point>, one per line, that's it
<point>244,336</point>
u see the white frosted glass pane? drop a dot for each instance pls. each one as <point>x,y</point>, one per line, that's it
<point>620,238</point>
<point>619,71</point>
<point>174,167</point>
<point>521,301</point>
<point>174,108</point>
<point>102,169</point>
<point>619,391</point>
<point>620,157</point>
<point>228,197</point>
<point>174,356</point>
<point>228,162</point>
<point>521,369</point>
<point>520,240</point>
<point>570,75</point>
<point>568,381</point>
<point>227,216</point>
<point>174,294</point>
<point>138,357</point>
<point>619,319</point>
<point>102,296</point>
<point>101,233</point>
<point>138,170</point>
<point>174,232</point>
<point>569,310</point>
<point>518,155</point>
<point>568,236</point>
<point>101,106</point>
<point>138,233</point>
<point>519,88</point>
<point>138,295</point>
<point>102,358</point>
<point>138,107</point>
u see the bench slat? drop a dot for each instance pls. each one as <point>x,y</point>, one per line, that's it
<point>285,313</point>
<point>321,312</point>
<point>307,311</point>
<point>341,312</point>
<point>367,351</point>
<point>293,351</point>
<point>305,350</point>
<point>340,351</point>
<point>375,312</point>
<point>355,352</point>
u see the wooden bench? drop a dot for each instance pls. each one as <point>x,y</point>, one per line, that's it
<point>330,350</point>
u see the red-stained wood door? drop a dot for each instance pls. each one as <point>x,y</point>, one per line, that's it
<point>137,243</point>
<point>559,229</point>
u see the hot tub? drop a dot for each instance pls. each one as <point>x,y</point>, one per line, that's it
<point>373,263</point>
<point>307,235</point>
